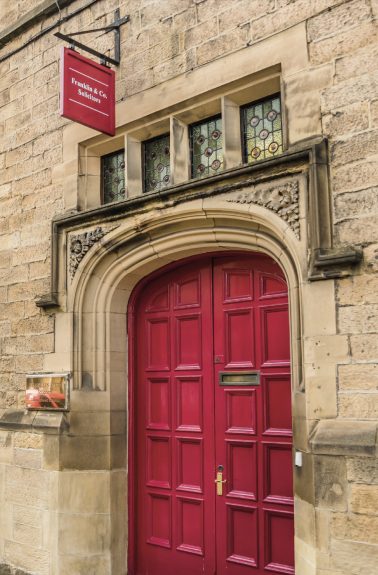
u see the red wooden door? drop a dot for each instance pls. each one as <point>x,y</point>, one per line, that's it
<point>253,422</point>
<point>213,389</point>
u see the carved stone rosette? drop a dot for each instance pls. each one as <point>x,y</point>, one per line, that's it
<point>79,246</point>
<point>282,199</point>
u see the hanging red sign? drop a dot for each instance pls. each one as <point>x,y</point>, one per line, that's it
<point>87,92</point>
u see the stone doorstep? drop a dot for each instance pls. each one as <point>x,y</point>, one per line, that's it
<point>340,437</point>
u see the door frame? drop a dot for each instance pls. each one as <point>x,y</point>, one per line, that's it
<point>132,380</point>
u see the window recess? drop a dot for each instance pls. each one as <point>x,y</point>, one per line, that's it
<point>238,124</point>
<point>113,177</point>
<point>206,147</point>
<point>261,127</point>
<point>156,163</point>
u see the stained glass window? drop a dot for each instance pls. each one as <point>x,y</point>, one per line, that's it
<point>113,177</point>
<point>206,143</point>
<point>262,129</point>
<point>157,173</point>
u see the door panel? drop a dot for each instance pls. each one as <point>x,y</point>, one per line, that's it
<point>216,316</point>
<point>253,422</point>
<point>241,411</point>
<point>174,464</point>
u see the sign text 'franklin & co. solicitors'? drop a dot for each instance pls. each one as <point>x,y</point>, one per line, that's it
<point>87,92</point>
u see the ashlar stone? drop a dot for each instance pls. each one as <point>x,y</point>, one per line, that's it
<point>358,376</point>
<point>362,470</point>
<point>330,482</point>
<point>364,499</point>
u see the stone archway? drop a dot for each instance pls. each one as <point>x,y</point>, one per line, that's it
<point>97,302</point>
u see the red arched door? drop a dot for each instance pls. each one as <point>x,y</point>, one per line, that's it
<point>212,402</point>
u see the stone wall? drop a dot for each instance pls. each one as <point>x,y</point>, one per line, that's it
<point>164,40</point>
<point>26,507</point>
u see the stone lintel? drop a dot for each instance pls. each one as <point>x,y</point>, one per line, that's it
<point>337,437</point>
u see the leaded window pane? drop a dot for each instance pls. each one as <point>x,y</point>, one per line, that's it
<point>157,172</point>
<point>113,177</point>
<point>206,142</point>
<point>262,129</point>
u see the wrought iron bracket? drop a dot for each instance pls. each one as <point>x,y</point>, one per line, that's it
<point>106,60</point>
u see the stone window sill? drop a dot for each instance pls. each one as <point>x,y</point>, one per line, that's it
<point>34,421</point>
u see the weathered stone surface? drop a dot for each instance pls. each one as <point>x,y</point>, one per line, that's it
<point>242,11</point>
<point>29,458</point>
<point>358,376</point>
<point>357,230</point>
<point>362,470</point>
<point>342,43</point>
<point>344,120</point>
<point>290,13</point>
<point>374,113</point>
<point>27,515</point>
<point>358,319</point>
<point>28,558</point>
<point>355,527</point>
<point>358,405</point>
<point>344,437</point>
<point>222,45</point>
<point>348,92</point>
<point>354,558</point>
<point>88,533</point>
<point>305,514</point>
<point>304,479</point>
<point>359,62</point>
<point>358,289</point>
<point>344,16</point>
<point>330,482</point>
<point>206,30</point>
<point>27,487</point>
<point>357,147</point>
<point>6,447</point>
<point>364,499</point>
<point>360,203</point>
<point>84,564</point>
<point>84,492</point>
<point>85,453</point>
<point>27,534</point>
<point>37,344</point>
<point>364,347</point>
<point>29,363</point>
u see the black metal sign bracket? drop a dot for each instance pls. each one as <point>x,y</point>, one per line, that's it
<point>106,60</point>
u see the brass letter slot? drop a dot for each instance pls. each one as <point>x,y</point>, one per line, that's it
<point>239,378</point>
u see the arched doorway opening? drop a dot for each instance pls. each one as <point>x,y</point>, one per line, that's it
<point>210,432</point>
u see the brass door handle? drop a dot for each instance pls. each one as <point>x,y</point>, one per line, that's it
<point>219,481</point>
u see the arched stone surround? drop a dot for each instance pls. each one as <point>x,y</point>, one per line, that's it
<point>99,294</point>
<point>97,303</point>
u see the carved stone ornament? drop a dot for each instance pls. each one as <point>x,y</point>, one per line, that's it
<point>282,199</point>
<point>80,244</point>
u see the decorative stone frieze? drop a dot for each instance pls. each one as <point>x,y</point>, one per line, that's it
<point>79,246</point>
<point>283,199</point>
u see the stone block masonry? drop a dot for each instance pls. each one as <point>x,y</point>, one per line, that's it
<point>40,180</point>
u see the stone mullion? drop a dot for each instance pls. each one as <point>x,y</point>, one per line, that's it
<point>232,152</point>
<point>134,172</point>
<point>180,155</point>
